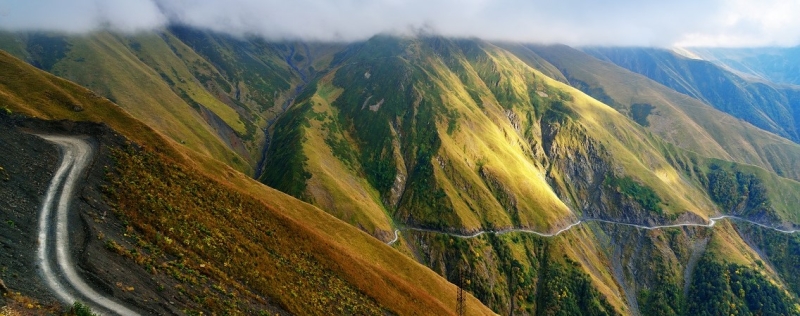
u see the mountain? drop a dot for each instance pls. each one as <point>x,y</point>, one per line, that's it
<point>179,232</point>
<point>463,136</point>
<point>540,179</point>
<point>773,64</point>
<point>768,106</point>
<point>679,119</point>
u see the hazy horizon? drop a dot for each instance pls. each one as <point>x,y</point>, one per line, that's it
<point>715,23</point>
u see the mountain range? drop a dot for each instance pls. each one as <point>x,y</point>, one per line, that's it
<point>555,180</point>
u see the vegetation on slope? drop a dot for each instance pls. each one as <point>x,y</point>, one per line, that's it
<point>211,92</point>
<point>492,124</point>
<point>733,289</point>
<point>286,160</point>
<point>225,236</point>
<point>780,251</point>
<point>411,147</point>
<point>456,135</point>
<point>536,273</point>
<point>205,224</point>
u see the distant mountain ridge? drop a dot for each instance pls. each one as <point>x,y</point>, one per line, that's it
<point>775,108</point>
<point>780,65</point>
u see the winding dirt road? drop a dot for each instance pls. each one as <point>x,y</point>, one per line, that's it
<point>53,254</point>
<point>711,222</point>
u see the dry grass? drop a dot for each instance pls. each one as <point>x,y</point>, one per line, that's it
<point>21,305</point>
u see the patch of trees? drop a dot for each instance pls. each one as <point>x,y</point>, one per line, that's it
<point>662,295</point>
<point>737,192</point>
<point>566,290</point>
<point>732,289</point>
<point>640,112</point>
<point>285,167</point>
<point>631,189</point>
<point>554,286</point>
<point>782,251</point>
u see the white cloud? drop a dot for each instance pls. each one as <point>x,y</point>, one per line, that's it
<point>750,23</point>
<point>78,16</point>
<point>576,22</point>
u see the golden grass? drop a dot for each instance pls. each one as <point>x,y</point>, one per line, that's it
<point>103,63</point>
<point>486,138</point>
<point>26,90</point>
<point>159,57</point>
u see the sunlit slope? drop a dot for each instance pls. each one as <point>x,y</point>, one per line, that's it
<point>106,64</point>
<point>675,117</point>
<point>213,93</point>
<point>463,135</point>
<point>366,270</point>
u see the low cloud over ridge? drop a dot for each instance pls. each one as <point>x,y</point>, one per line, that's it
<point>575,22</point>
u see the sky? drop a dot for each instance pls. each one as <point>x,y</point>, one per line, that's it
<point>662,23</point>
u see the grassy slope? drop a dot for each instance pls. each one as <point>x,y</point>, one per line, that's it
<point>386,276</point>
<point>211,92</point>
<point>486,131</point>
<point>484,135</point>
<point>632,148</point>
<point>485,142</point>
<point>105,64</point>
<point>156,53</point>
<point>692,125</point>
<point>678,119</point>
<point>335,185</point>
<point>487,139</point>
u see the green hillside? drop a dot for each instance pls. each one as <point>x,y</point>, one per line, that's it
<point>462,136</point>
<point>202,224</point>
<point>216,94</point>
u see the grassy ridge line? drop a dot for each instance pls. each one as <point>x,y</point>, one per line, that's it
<point>382,273</point>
